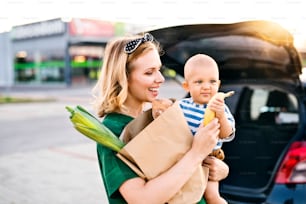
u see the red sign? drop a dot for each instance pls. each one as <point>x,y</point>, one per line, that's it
<point>89,27</point>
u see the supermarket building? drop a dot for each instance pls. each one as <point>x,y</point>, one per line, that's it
<point>56,51</point>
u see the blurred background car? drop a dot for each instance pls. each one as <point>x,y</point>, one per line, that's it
<point>257,59</point>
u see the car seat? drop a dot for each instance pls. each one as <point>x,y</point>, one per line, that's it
<point>278,101</point>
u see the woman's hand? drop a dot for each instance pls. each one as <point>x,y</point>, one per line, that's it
<point>205,139</point>
<point>218,169</point>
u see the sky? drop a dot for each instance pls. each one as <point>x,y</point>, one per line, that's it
<point>289,13</point>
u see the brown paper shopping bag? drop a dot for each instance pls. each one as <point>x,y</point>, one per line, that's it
<point>158,145</point>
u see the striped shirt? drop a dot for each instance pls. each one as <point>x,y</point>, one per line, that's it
<point>194,114</point>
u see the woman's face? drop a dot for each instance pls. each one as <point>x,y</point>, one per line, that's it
<point>145,78</point>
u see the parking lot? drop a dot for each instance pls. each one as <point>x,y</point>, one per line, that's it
<point>42,158</point>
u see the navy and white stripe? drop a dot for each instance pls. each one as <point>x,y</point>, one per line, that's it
<point>194,114</point>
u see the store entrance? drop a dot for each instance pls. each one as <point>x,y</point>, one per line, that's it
<point>86,61</point>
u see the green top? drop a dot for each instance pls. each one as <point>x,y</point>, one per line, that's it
<point>114,171</point>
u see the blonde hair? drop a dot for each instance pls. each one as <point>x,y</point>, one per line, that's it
<point>111,89</point>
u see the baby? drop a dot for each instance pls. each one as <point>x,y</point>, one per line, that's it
<point>202,81</point>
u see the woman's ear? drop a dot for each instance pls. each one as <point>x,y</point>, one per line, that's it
<point>185,86</point>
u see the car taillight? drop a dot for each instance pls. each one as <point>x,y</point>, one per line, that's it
<point>293,167</point>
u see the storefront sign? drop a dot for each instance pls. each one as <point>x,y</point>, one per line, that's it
<point>41,29</point>
<point>89,27</point>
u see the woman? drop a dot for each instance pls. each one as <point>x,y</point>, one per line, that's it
<point>130,77</point>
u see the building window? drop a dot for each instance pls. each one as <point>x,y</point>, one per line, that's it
<point>39,67</point>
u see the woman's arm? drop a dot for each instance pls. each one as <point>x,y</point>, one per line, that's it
<point>164,187</point>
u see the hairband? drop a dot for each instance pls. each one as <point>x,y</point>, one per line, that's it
<point>131,46</point>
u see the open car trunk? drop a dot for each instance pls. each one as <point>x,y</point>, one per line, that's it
<point>257,60</point>
<point>245,50</point>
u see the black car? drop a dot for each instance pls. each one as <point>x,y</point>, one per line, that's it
<point>258,60</point>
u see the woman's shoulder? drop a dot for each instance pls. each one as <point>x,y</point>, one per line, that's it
<point>116,122</point>
<point>117,116</point>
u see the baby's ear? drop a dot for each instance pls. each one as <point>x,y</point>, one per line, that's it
<point>185,86</point>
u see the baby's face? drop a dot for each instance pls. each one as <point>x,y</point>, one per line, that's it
<point>202,84</point>
<point>159,106</point>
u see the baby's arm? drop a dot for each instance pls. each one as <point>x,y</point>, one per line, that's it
<point>226,126</point>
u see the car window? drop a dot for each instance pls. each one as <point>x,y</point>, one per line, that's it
<point>258,102</point>
<point>273,107</point>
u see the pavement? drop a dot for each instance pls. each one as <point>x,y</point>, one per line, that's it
<point>55,171</point>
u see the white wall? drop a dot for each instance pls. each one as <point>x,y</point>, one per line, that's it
<point>6,63</point>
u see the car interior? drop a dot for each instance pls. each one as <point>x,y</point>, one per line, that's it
<point>261,134</point>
